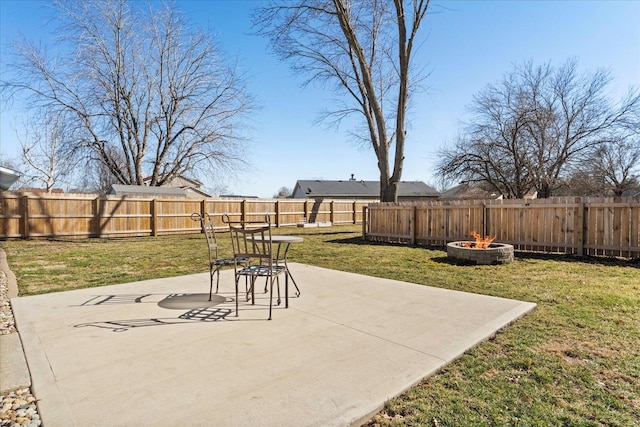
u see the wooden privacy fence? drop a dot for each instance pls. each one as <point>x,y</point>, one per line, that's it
<point>583,226</point>
<point>81,216</point>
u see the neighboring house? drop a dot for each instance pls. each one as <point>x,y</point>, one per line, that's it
<point>192,187</point>
<point>465,191</point>
<point>177,187</point>
<point>236,196</point>
<point>361,190</point>
<point>631,193</point>
<point>145,190</point>
<point>7,177</point>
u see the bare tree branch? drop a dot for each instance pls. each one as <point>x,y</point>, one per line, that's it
<point>363,50</point>
<point>530,129</point>
<point>148,97</point>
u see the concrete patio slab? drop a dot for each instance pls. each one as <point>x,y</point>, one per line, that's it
<point>157,353</point>
<point>14,373</point>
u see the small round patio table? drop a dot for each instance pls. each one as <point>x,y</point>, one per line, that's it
<point>284,242</point>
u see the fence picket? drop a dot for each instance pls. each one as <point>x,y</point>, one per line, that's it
<point>82,216</point>
<point>582,226</point>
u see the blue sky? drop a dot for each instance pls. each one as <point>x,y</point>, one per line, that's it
<point>468,45</point>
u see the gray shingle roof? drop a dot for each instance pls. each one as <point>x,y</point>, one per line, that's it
<point>7,177</point>
<point>466,191</point>
<point>356,189</point>
<point>144,190</point>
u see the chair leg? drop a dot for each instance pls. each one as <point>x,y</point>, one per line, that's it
<point>237,280</point>
<point>217,281</point>
<point>251,289</point>
<point>271,299</point>
<point>286,291</point>
<point>211,282</point>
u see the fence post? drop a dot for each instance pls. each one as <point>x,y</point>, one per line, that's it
<point>96,217</point>
<point>154,213</point>
<point>632,231</point>
<point>485,226</point>
<point>354,211</point>
<point>412,224</point>
<point>2,213</point>
<point>331,213</point>
<point>579,227</point>
<point>306,210</point>
<point>203,211</point>
<point>364,223</point>
<point>243,210</point>
<point>25,216</point>
<point>277,213</point>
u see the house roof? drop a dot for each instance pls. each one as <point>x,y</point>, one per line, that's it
<point>196,192</point>
<point>466,191</point>
<point>144,190</point>
<point>7,177</point>
<point>189,181</point>
<point>356,189</point>
<point>631,193</point>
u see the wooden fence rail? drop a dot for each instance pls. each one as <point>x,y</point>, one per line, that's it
<point>589,226</point>
<point>583,226</point>
<point>81,216</point>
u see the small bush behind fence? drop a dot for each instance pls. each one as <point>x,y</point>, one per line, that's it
<point>583,226</point>
<point>82,216</point>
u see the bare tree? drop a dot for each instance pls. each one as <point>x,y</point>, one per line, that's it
<point>363,48</point>
<point>43,150</point>
<point>533,126</point>
<point>283,193</point>
<point>98,177</point>
<point>148,97</point>
<point>611,169</point>
<point>617,164</point>
<point>582,182</point>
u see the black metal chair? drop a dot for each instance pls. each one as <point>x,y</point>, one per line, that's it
<point>252,240</point>
<point>215,262</point>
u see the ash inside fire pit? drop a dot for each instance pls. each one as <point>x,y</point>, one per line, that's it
<point>468,253</point>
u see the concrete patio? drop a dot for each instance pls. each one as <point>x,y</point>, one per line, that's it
<point>157,353</point>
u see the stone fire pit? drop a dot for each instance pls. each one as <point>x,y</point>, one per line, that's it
<point>466,252</point>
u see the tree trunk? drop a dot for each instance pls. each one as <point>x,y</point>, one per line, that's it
<point>388,189</point>
<point>544,192</point>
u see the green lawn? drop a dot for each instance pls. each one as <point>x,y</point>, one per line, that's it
<point>573,361</point>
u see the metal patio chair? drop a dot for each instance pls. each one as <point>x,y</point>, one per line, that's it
<point>252,240</point>
<point>215,262</point>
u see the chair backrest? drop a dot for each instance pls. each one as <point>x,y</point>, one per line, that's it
<point>206,222</point>
<point>251,239</point>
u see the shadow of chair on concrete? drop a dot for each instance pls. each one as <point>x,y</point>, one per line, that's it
<point>198,306</point>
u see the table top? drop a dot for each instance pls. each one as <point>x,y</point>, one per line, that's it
<point>279,238</point>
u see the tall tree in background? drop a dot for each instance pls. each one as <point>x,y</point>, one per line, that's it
<point>147,96</point>
<point>282,193</point>
<point>533,126</point>
<point>363,49</point>
<point>97,177</point>
<point>612,168</point>
<point>618,165</point>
